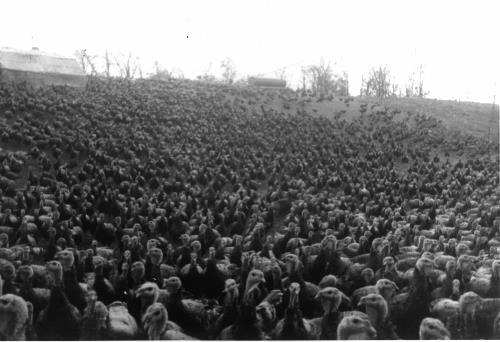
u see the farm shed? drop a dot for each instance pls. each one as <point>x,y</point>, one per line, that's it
<point>267,82</point>
<point>39,69</point>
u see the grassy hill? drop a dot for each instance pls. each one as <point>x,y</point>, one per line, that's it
<point>477,119</point>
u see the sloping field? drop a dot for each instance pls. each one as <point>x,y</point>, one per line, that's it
<point>478,119</point>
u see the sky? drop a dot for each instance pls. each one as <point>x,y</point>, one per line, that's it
<point>456,42</point>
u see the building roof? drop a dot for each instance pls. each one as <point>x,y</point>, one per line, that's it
<point>39,62</point>
<point>267,82</point>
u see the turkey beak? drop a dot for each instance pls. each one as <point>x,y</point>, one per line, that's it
<point>138,294</point>
<point>395,286</point>
<point>293,298</point>
<point>372,332</point>
<point>260,307</point>
<point>146,320</point>
<point>362,302</point>
<point>229,288</point>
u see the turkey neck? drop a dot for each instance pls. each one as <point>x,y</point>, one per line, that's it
<point>276,281</point>
<point>155,270</point>
<point>25,286</point>
<point>331,309</point>
<point>58,301</point>
<point>293,301</point>
<point>99,273</point>
<point>387,294</point>
<point>156,333</point>
<point>420,246</point>
<point>329,324</point>
<point>452,325</point>
<point>469,326</point>
<point>330,254</point>
<point>229,301</point>
<point>7,327</point>
<point>296,276</point>
<point>177,298</point>
<point>146,302</point>
<point>374,316</point>
<point>246,321</point>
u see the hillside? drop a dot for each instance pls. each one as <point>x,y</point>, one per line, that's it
<point>468,117</point>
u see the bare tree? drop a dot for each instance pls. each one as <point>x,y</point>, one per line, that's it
<point>86,61</point>
<point>414,86</point>
<point>378,83</point>
<point>127,65</point>
<point>228,71</point>
<point>304,77</point>
<point>345,78</point>
<point>139,70</point>
<point>323,81</point>
<point>107,64</point>
<point>493,118</point>
<point>363,90</point>
<point>207,76</point>
<point>161,73</point>
<point>80,58</point>
<point>395,91</point>
<point>281,73</point>
<point>420,85</point>
<point>178,73</point>
<point>410,86</point>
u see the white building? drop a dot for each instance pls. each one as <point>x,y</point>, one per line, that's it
<point>39,69</point>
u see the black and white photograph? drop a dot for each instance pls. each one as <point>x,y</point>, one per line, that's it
<point>249,170</point>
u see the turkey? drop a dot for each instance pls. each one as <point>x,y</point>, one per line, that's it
<point>14,318</point>
<point>214,278</point>
<point>230,307</point>
<point>355,328</point>
<point>386,288</point>
<point>148,294</point>
<point>157,326</point>
<point>253,291</point>
<point>38,297</point>
<point>246,325</point>
<point>192,276</point>
<point>102,286</point>
<point>189,314</point>
<point>377,311</point>
<point>294,270</point>
<point>433,329</point>
<point>330,299</point>
<point>60,320</point>
<point>72,288</point>
<point>293,326</point>
<point>267,310</point>
<point>484,313</point>
<point>94,319</point>
<point>448,312</point>
<point>414,306</point>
